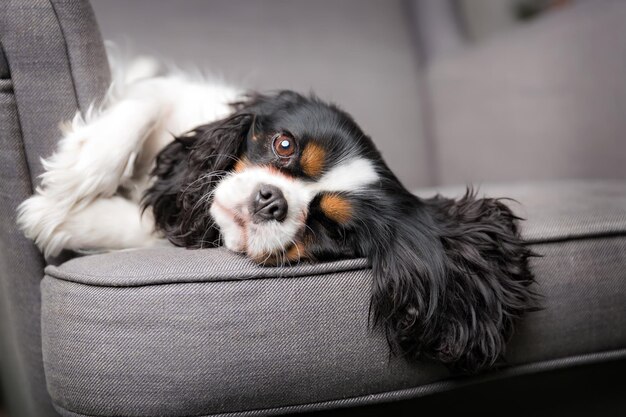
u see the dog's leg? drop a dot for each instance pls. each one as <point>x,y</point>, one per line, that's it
<point>92,158</point>
<point>108,224</point>
<point>89,164</point>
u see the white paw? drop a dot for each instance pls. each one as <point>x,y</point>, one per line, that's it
<point>40,218</point>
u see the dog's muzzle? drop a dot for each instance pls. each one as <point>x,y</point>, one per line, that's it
<point>260,212</point>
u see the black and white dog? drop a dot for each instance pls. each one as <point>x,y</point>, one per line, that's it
<point>283,178</point>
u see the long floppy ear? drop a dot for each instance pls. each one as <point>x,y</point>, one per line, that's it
<point>450,279</point>
<point>186,172</point>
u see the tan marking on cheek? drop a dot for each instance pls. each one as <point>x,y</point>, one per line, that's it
<point>312,159</point>
<point>336,208</point>
<point>296,252</point>
<point>244,233</point>
<point>241,164</point>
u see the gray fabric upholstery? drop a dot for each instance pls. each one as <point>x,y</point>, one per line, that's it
<point>20,270</point>
<point>55,64</point>
<point>559,210</point>
<point>545,101</point>
<point>56,69</point>
<point>176,332</point>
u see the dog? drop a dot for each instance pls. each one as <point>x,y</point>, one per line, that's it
<point>284,178</point>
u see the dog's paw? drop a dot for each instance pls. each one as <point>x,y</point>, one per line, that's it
<point>40,219</point>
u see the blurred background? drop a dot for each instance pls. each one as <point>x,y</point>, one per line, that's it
<point>452,91</point>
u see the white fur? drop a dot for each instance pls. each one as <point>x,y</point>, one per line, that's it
<point>112,147</point>
<point>348,176</point>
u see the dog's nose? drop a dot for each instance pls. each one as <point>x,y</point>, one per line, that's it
<point>269,204</point>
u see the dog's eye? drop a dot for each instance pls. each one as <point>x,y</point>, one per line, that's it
<point>284,145</point>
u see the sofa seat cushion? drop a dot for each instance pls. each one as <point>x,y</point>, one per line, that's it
<point>175,332</point>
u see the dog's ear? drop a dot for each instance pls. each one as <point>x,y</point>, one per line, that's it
<point>170,172</point>
<point>186,172</point>
<point>450,279</point>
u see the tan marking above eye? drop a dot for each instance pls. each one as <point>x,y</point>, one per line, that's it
<point>313,159</point>
<point>336,208</point>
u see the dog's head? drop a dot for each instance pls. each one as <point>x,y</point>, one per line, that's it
<point>285,177</point>
<point>288,177</point>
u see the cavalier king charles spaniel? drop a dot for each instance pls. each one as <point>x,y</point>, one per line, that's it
<point>284,178</point>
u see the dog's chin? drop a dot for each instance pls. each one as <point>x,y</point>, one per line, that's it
<point>269,243</point>
<point>262,245</point>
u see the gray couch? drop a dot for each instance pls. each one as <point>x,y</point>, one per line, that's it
<point>173,332</point>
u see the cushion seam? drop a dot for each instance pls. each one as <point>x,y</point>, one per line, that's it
<point>56,272</point>
<point>577,237</point>
<point>245,275</point>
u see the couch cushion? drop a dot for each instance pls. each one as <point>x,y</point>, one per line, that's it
<point>175,332</point>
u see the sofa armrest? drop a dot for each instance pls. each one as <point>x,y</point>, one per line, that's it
<point>52,63</point>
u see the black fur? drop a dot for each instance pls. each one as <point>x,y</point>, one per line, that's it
<point>450,277</point>
<point>187,171</point>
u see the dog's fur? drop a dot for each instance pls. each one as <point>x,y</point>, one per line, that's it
<point>450,277</point>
